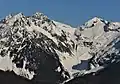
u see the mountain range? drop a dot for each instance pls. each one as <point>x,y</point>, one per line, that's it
<point>38,49</point>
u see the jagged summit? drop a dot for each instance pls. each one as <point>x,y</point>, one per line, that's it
<point>94,21</point>
<point>39,15</point>
<point>35,47</point>
<point>18,15</point>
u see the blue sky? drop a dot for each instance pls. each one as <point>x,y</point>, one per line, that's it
<point>74,12</point>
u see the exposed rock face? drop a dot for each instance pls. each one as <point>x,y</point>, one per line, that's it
<point>28,49</point>
<point>34,47</point>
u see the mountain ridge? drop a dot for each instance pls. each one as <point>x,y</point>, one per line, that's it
<point>35,47</point>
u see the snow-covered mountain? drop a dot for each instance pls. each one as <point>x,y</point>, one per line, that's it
<point>35,47</point>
